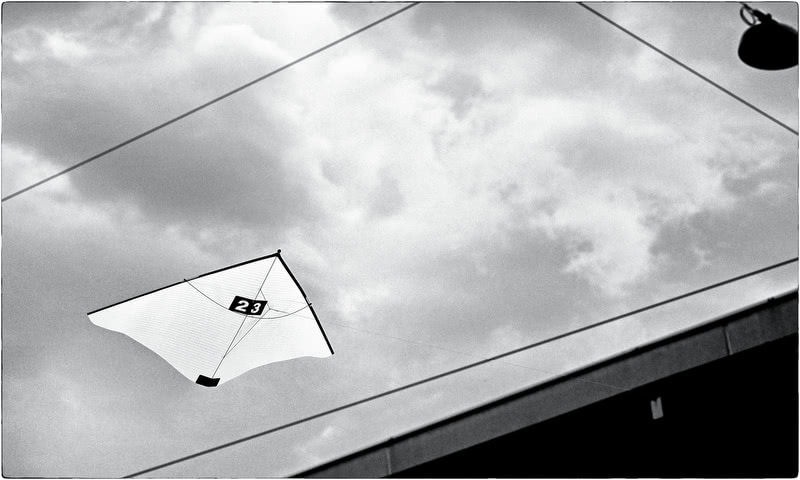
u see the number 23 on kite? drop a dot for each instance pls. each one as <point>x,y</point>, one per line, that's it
<point>247,306</point>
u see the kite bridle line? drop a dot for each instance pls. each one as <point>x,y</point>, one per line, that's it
<point>264,316</point>
<point>287,314</point>
<point>230,345</point>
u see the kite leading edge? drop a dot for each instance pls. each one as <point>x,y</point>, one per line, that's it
<point>218,325</point>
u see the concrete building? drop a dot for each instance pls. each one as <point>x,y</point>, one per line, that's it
<point>719,400</point>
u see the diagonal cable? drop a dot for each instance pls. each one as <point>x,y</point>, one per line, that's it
<point>445,349</point>
<point>207,104</point>
<point>461,368</point>
<point>690,69</point>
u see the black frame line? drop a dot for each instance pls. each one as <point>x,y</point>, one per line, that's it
<point>134,298</point>
<point>194,278</point>
<point>276,255</point>
<point>324,335</point>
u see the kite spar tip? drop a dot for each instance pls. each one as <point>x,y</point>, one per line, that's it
<point>279,251</point>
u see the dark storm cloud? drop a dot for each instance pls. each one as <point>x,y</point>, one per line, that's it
<point>84,105</point>
<point>199,175</point>
<point>748,178</point>
<point>44,14</point>
<point>565,29</point>
<point>147,25</point>
<point>762,230</point>
<point>190,172</point>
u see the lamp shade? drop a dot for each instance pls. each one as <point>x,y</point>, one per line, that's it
<point>769,45</point>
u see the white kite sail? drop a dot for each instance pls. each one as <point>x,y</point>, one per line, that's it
<point>219,325</point>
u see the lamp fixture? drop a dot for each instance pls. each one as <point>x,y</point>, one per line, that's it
<point>767,44</point>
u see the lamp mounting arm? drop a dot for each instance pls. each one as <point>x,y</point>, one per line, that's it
<point>755,16</point>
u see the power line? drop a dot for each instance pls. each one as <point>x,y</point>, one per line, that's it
<point>352,34</point>
<point>460,369</point>
<point>445,349</point>
<point>690,69</point>
<point>209,103</point>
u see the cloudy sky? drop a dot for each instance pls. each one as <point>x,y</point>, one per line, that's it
<point>454,183</point>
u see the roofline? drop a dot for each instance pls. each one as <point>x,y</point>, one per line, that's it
<point>704,327</point>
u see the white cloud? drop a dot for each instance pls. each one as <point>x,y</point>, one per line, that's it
<point>23,167</point>
<point>318,449</point>
<point>65,48</point>
<point>236,50</point>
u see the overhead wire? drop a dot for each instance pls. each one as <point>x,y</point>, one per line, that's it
<point>462,368</point>
<point>336,42</point>
<point>690,69</point>
<point>209,103</point>
<point>459,352</point>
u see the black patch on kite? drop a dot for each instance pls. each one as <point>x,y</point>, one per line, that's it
<point>206,381</point>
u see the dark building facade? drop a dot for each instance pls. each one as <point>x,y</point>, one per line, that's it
<point>719,400</point>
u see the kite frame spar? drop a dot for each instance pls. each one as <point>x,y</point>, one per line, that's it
<point>211,382</point>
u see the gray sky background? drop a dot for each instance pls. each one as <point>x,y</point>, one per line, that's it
<point>459,181</point>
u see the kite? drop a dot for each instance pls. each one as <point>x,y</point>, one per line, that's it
<point>217,326</point>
